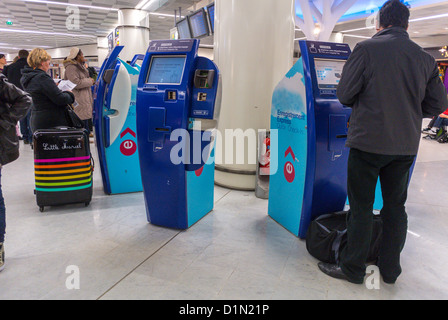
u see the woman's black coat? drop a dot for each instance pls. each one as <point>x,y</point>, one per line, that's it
<point>49,103</point>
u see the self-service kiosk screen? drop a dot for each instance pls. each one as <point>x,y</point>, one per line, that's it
<point>166,70</point>
<point>328,73</point>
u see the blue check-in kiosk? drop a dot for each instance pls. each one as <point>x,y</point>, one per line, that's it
<point>115,124</point>
<point>311,177</point>
<point>178,104</point>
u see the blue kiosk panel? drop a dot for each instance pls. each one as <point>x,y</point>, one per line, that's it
<point>115,124</point>
<point>312,129</point>
<point>176,111</point>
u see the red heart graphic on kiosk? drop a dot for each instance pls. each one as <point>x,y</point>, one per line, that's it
<point>199,172</point>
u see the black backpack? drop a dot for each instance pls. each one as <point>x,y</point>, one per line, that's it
<point>327,236</point>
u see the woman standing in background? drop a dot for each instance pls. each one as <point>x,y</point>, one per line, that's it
<point>49,103</point>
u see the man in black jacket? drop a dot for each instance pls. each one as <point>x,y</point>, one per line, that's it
<point>14,73</point>
<point>392,84</point>
<point>14,104</point>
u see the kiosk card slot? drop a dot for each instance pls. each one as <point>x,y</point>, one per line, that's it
<point>172,95</point>
<point>157,129</point>
<point>337,132</point>
<point>202,96</point>
<point>203,79</point>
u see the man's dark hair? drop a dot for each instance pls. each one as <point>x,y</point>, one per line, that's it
<point>23,54</point>
<point>394,13</point>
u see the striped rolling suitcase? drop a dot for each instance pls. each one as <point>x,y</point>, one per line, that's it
<point>63,167</point>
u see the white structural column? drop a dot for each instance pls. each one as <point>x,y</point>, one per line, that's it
<point>327,17</point>
<point>254,45</point>
<point>133,32</point>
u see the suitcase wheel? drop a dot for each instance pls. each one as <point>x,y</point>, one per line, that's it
<point>87,204</point>
<point>41,208</point>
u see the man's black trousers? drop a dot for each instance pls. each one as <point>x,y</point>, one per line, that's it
<point>363,171</point>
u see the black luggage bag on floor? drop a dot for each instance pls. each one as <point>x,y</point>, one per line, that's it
<point>63,167</point>
<point>327,236</point>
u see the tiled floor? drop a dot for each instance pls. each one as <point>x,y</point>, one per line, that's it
<point>236,252</point>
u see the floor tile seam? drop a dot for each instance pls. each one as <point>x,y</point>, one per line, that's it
<point>226,281</point>
<point>223,197</point>
<point>139,265</point>
<point>430,161</point>
<point>426,204</point>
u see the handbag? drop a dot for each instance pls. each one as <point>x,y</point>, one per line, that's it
<point>72,118</point>
<point>327,237</point>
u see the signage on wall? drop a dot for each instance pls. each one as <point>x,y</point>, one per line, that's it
<point>174,34</point>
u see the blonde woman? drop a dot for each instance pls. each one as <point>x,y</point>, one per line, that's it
<point>49,103</point>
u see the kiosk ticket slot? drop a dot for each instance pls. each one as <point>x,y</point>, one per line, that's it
<point>177,107</point>
<point>312,130</point>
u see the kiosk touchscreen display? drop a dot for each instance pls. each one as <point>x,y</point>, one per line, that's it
<point>328,73</point>
<point>166,70</point>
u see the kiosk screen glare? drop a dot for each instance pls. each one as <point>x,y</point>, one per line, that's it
<point>198,24</point>
<point>166,70</point>
<point>328,73</point>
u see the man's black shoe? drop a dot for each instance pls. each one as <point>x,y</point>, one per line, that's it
<point>388,281</point>
<point>335,271</point>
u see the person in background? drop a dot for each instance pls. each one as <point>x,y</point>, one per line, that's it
<point>440,122</point>
<point>2,62</point>
<point>446,80</point>
<point>375,84</point>
<point>444,115</point>
<point>49,103</point>
<point>19,134</point>
<point>14,105</point>
<point>6,67</point>
<point>76,72</point>
<point>14,74</point>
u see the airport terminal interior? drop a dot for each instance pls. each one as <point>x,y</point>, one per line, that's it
<point>151,229</point>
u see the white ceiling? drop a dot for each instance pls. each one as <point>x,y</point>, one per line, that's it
<point>95,23</point>
<point>427,33</point>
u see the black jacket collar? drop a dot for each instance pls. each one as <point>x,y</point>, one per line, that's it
<point>398,31</point>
